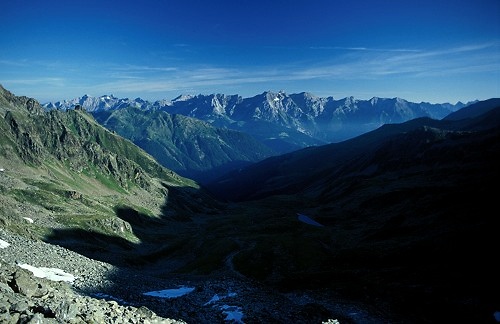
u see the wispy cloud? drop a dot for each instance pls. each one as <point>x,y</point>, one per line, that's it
<point>16,63</point>
<point>472,58</point>
<point>366,64</point>
<point>365,49</point>
<point>37,81</point>
<point>355,64</point>
<point>131,68</point>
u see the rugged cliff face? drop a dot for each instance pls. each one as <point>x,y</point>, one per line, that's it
<point>66,169</point>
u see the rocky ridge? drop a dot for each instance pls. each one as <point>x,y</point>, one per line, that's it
<point>25,298</point>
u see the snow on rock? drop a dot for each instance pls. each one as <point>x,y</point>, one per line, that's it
<point>217,298</point>
<point>170,293</point>
<point>308,220</point>
<point>3,244</point>
<point>53,274</point>
<point>29,220</point>
<point>101,295</point>
<point>214,299</point>
<point>233,313</point>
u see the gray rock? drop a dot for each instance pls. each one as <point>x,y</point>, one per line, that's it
<point>24,284</point>
<point>67,311</point>
<point>20,307</point>
<point>4,305</point>
<point>37,319</point>
<point>145,312</point>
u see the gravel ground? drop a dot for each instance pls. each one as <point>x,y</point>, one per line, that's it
<point>220,298</point>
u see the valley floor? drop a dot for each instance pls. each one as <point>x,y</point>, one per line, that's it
<point>222,297</point>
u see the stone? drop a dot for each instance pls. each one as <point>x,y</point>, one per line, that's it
<point>24,284</point>
<point>19,307</point>
<point>66,311</point>
<point>37,319</point>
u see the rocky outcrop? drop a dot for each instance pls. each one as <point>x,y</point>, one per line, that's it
<point>30,104</point>
<point>28,299</point>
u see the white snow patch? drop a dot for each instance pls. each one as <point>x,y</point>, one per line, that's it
<point>53,274</point>
<point>2,169</point>
<point>170,293</point>
<point>106,296</point>
<point>308,220</point>
<point>233,313</point>
<point>214,299</point>
<point>29,220</point>
<point>3,244</point>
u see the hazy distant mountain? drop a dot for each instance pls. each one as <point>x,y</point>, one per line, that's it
<point>108,102</point>
<point>474,110</point>
<point>294,172</point>
<point>189,146</point>
<point>282,122</point>
<point>407,215</point>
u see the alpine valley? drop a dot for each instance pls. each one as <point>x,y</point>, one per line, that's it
<point>272,209</point>
<point>265,125</point>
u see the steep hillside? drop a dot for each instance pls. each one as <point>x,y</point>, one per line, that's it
<point>296,171</point>
<point>62,170</point>
<point>406,215</point>
<point>474,110</point>
<point>190,147</point>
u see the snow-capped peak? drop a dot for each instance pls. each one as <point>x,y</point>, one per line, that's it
<point>183,97</point>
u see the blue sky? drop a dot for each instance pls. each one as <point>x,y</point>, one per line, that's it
<point>435,51</point>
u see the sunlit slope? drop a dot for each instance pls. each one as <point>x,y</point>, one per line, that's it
<point>191,147</point>
<point>61,169</point>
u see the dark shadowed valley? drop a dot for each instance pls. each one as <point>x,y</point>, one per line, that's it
<point>394,225</point>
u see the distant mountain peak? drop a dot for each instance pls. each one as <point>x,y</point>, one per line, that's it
<point>183,97</point>
<point>320,118</point>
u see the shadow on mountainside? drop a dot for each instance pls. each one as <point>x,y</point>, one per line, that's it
<point>147,234</point>
<point>181,249</point>
<point>163,245</point>
<point>410,228</point>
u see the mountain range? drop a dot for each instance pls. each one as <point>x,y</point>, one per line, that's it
<point>270,123</point>
<point>398,221</point>
<point>408,208</point>
<point>188,146</point>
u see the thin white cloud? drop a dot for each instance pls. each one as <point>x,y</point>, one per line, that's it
<point>367,49</point>
<point>475,58</point>
<point>370,64</point>
<point>143,68</point>
<point>15,63</point>
<point>37,81</point>
<point>358,63</point>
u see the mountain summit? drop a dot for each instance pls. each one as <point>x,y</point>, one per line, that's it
<point>282,122</point>
<point>219,129</point>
